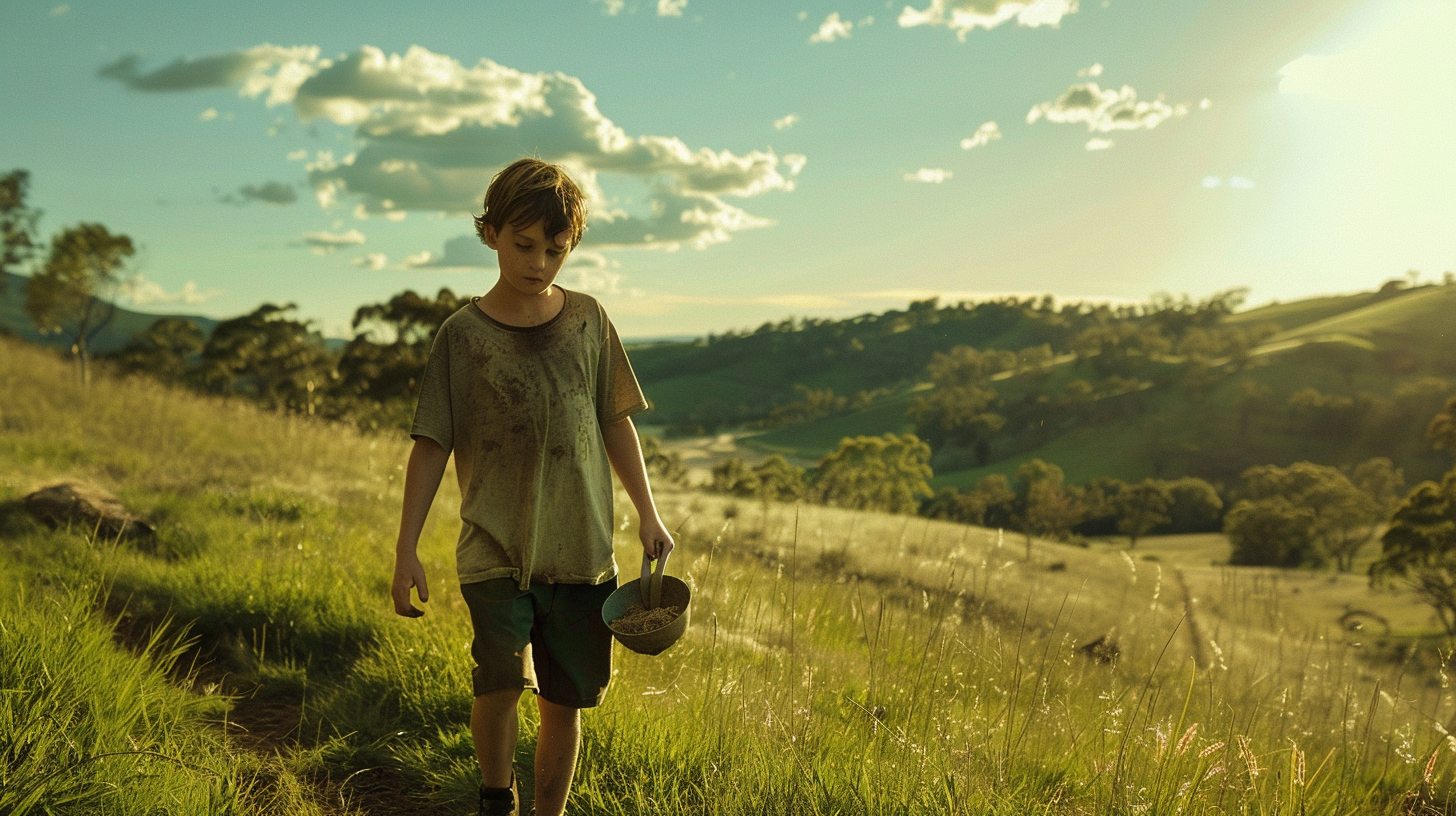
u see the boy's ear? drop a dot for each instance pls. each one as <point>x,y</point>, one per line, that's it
<point>491,236</point>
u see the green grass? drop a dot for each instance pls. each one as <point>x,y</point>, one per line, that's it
<point>837,662</point>
<point>1303,312</point>
<point>1419,317</point>
<point>808,442</point>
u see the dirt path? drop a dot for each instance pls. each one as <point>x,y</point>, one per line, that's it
<point>270,725</point>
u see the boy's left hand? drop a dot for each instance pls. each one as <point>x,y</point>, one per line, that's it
<point>656,540</point>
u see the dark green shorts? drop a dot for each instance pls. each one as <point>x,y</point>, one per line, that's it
<point>549,638</point>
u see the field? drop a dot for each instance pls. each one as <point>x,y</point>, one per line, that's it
<point>247,662</point>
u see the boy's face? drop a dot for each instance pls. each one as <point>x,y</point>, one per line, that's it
<point>529,260</point>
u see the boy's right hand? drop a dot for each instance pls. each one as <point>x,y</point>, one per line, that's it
<point>408,572</point>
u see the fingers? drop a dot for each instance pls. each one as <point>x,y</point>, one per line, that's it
<point>399,591</point>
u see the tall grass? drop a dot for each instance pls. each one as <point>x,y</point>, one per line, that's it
<point>837,662</point>
<point>86,727</point>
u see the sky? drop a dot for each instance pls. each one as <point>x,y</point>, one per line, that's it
<point>744,161</point>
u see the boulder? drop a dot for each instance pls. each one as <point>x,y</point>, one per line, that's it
<point>1102,650</point>
<point>88,508</point>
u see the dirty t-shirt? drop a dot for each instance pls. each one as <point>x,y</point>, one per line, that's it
<point>522,409</point>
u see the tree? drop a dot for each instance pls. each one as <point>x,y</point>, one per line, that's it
<point>75,287</point>
<point>662,464</point>
<point>1342,518</point>
<point>379,370</point>
<point>1196,506</point>
<point>1047,508</point>
<point>1442,430</point>
<point>958,415</point>
<point>779,479</point>
<point>165,350</point>
<point>959,411</point>
<point>1420,548</point>
<point>889,473</point>
<point>1271,533</point>
<point>732,476</point>
<point>17,223</point>
<point>269,357</point>
<point>1141,507</point>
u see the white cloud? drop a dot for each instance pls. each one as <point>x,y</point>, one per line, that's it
<point>1205,103</point>
<point>929,175</point>
<point>965,16</point>
<point>985,134</point>
<point>866,21</point>
<point>417,260</point>
<point>60,10</point>
<point>1093,70</point>
<point>324,243</point>
<point>591,272</point>
<point>1104,111</point>
<point>372,261</point>
<point>432,132</point>
<point>207,115</point>
<point>832,29</point>
<point>142,292</point>
<point>671,8</point>
<point>1099,144</point>
<point>297,155</point>
<point>611,8</point>
<point>1212,182</point>
<point>803,15</point>
<point>786,122</point>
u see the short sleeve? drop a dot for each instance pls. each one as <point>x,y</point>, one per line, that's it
<point>433,417</point>
<point>619,394</point>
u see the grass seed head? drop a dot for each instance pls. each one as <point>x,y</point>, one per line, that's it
<point>1187,739</point>
<point>1248,756</point>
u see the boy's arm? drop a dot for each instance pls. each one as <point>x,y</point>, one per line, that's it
<point>625,453</point>
<point>421,479</point>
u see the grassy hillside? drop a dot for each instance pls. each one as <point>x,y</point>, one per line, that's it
<point>1343,345</point>
<point>836,662</point>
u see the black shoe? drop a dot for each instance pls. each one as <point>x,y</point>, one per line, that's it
<point>499,801</point>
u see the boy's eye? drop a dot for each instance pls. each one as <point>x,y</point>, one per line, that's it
<point>553,252</point>
<point>523,246</point>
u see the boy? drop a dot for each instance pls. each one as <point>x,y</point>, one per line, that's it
<point>530,388</point>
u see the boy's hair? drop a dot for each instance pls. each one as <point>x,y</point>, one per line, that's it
<point>531,190</point>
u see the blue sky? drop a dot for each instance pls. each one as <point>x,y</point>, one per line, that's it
<point>746,161</point>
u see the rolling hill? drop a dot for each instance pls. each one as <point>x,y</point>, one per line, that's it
<point>112,336</point>
<point>1371,346</point>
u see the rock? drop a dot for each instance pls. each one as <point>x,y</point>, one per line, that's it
<point>89,508</point>
<point>1102,650</point>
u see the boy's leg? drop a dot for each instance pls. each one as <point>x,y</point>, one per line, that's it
<point>494,727</point>
<point>572,654</point>
<point>501,616</point>
<point>557,745</point>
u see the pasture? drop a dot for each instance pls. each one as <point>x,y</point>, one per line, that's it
<point>837,662</point>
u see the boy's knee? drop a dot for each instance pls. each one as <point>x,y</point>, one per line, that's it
<point>556,711</point>
<point>499,700</point>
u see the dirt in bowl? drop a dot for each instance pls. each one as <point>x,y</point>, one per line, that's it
<point>638,620</point>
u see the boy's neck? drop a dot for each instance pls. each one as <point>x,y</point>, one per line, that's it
<point>505,304</point>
